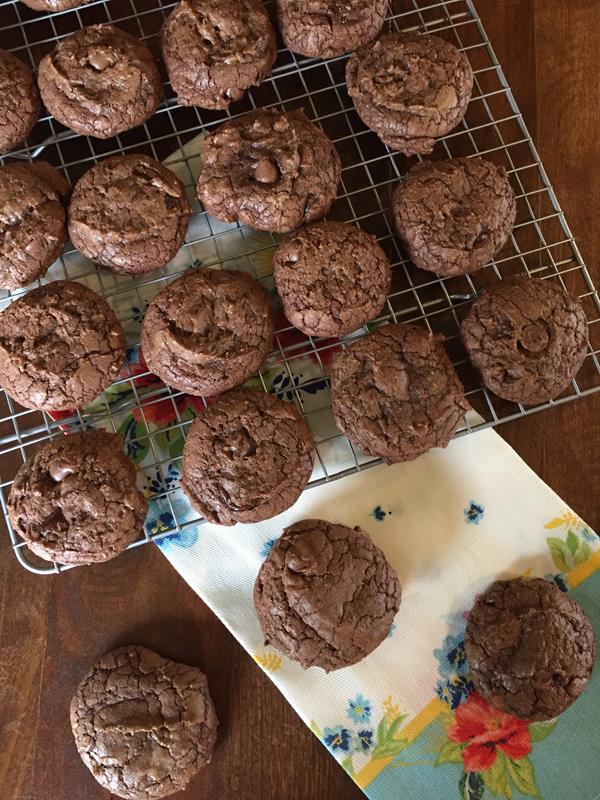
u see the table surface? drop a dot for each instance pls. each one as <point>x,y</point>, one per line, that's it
<point>52,628</point>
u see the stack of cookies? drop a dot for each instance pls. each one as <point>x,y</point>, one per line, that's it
<point>326,595</point>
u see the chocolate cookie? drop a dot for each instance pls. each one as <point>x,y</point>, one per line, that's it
<point>326,595</point>
<point>144,725</point>
<point>60,346</point>
<point>20,103</point>
<point>100,81</point>
<point>530,648</point>
<point>454,216</point>
<point>527,338</point>
<point>208,331</point>
<point>327,28</point>
<point>410,89</point>
<point>77,501</point>
<point>246,458</point>
<point>216,49</point>
<point>54,5</point>
<point>271,169</point>
<point>129,213</point>
<point>33,227</point>
<point>395,394</point>
<point>331,277</point>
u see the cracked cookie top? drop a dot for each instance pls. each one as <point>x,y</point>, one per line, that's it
<point>326,595</point>
<point>530,648</point>
<point>144,725</point>
<point>208,331</point>
<point>33,227</point>
<point>129,213</point>
<point>60,346</point>
<point>454,216</point>
<point>76,501</point>
<point>395,393</point>
<point>331,277</point>
<point>327,28</point>
<point>246,458</point>
<point>216,49</point>
<point>100,81</point>
<point>410,89</point>
<point>54,5</point>
<point>270,169</point>
<point>527,337</point>
<point>20,104</point>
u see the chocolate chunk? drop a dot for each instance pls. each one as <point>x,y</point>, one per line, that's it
<point>129,213</point>
<point>530,648</point>
<point>100,81</point>
<point>216,49</point>
<point>77,501</point>
<point>327,28</point>
<point>246,458</point>
<point>20,103</point>
<point>208,331</point>
<point>527,337</point>
<point>307,162</point>
<point>410,89</point>
<point>144,725</point>
<point>395,394</point>
<point>331,277</point>
<point>60,346</point>
<point>32,223</point>
<point>454,216</point>
<point>326,595</point>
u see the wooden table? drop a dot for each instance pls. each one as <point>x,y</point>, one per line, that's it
<point>51,629</point>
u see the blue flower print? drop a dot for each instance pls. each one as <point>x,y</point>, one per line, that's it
<point>588,535</point>
<point>337,738</point>
<point>559,580</point>
<point>455,683</point>
<point>185,539</point>
<point>267,547</point>
<point>359,709</point>
<point>364,740</point>
<point>159,524</point>
<point>159,486</point>
<point>474,513</point>
<point>379,514</point>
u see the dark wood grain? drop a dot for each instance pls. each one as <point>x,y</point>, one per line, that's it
<point>52,628</point>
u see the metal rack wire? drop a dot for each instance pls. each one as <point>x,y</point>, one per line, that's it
<point>541,244</point>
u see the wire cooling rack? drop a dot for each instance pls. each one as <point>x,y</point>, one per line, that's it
<point>541,244</point>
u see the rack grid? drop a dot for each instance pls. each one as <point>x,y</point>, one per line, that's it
<point>541,244</point>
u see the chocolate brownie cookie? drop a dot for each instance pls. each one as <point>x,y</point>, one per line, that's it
<point>326,595</point>
<point>216,49</point>
<point>60,346</point>
<point>54,5</point>
<point>331,277</point>
<point>77,501</point>
<point>410,89</point>
<point>100,82</point>
<point>246,458</point>
<point>395,394</point>
<point>454,216</point>
<point>271,169</point>
<point>129,213</point>
<point>144,725</point>
<point>208,331</point>
<point>327,28</point>
<point>33,227</point>
<point>20,103</point>
<point>527,338</point>
<point>530,648</point>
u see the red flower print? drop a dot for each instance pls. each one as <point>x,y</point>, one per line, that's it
<point>486,729</point>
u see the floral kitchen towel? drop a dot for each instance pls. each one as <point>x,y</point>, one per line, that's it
<point>406,723</point>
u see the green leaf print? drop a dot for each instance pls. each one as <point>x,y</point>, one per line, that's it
<point>557,550</point>
<point>540,730</point>
<point>136,439</point>
<point>451,753</point>
<point>496,776</point>
<point>385,742</point>
<point>347,765</point>
<point>315,729</point>
<point>470,786</point>
<point>570,552</point>
<point>572,543</point>
<point>522,775</point>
